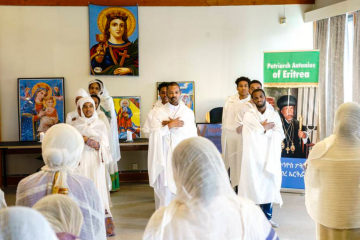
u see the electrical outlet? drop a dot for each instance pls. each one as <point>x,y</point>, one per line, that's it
<point>135,166</point>
<point>282,20</point>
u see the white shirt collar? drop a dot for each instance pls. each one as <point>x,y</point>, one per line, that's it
<point>174,108</point>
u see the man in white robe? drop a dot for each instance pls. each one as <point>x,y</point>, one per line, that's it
<point>97,87</point>
<point>261,166</point>
<point>171,123</point>
<point>243,108</point>
<point>229,138</point>
<point>163,100</point>
<point>239,115</point>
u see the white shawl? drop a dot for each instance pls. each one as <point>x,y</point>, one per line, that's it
<point>261,175</point>
<point>24,223</point>
<point>107,106</point>
<point>74,114</point>
<point>147,126</point>
<point>161,137</point>
<point>332,178</point>
<point>205,207</point>
<point>62,213</point>
<point>94,129</point>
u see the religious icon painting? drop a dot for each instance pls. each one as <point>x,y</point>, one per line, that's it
<point>128,116</point>
<point>297,108</point>
<point>114,37</point>
<point>187,93</point>
<point>41,103</point>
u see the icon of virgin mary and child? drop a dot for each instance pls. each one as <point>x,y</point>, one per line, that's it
<point>38,113</point>
<point>115,54</point>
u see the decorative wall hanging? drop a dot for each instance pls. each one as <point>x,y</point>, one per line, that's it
<point>128,116</point>
<point>114,40</point>
<point>41,103</point>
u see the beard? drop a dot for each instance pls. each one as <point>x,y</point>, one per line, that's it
<point>260,105</point>
<point>174,100</point>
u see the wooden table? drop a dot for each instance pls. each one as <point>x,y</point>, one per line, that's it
<point>16,147</point>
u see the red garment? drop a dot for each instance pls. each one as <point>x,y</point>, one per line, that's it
<point>123,120</point>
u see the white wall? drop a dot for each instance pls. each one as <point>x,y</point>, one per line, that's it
<point>209,45</point>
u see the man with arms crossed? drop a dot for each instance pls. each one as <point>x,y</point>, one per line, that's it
<point>171,123</point>
<point>260,179</point>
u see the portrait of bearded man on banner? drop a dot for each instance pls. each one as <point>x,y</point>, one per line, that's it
<point>293,146</point>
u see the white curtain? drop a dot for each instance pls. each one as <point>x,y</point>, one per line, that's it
<point>321,43</point>
<point>307,103</point>
<point>335,83</point>
<point>356,58</point>
<point>330,40</point>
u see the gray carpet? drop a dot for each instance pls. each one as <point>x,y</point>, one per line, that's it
<point>133,205</point>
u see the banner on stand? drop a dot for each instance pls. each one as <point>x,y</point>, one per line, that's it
<point>291,69</point>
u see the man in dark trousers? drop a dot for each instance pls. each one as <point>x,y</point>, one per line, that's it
<point>293,146</point>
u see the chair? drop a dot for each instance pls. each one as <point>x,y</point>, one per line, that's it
<point>214,116</point>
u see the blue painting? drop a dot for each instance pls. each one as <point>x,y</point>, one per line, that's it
<point>41,105</point>
<point>114,40</point>
<point>211,131</point>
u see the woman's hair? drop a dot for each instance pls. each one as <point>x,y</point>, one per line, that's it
<point>95,96</point>
<point>116,15</point>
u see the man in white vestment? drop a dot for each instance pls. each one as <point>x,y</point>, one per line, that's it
<point>243,108</point>
<point>260,179</point>
<point>229,138</point>
<point>239,115</point>
<point>163,100</point>
<point>171,123</point>
<point>97,87</point>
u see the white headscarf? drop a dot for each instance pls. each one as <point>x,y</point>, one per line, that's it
<point>62,213</point>
<point>61,149</point>
<point>332,178</point>
<point>107,104</point>
<point>85,125</point>
<point>74,114</point>
<point>20,223</point>
<point>81,93</point>
<point>103,94</point>
<point>206,207</point>
<point>93,128</point>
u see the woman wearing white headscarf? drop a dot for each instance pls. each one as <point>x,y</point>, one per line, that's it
<point>97,87</point>
<point>62,148</point>
<point>63,214</point>
<point>96,153</point>
<point>20,223</point>
<point>71,116</point>
<point>206,207</point>
<point>332,178</point>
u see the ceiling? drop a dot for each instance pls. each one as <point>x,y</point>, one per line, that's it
<point>152,2</point>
